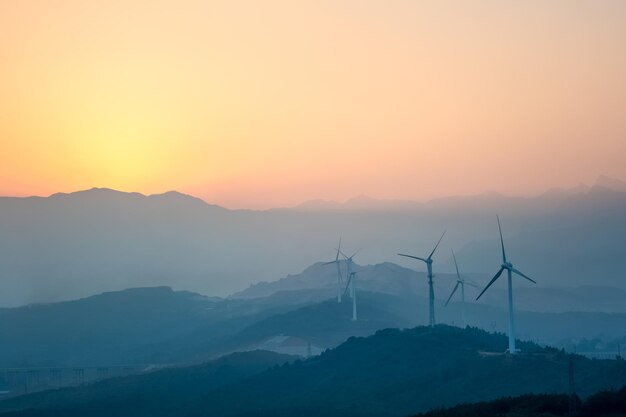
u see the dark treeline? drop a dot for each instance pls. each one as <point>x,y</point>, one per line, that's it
<point>602,404</point>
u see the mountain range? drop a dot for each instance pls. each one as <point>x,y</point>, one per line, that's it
<point>68,246</point>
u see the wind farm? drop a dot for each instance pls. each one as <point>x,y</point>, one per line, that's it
<point>303,325</point>
<point>289,209</point>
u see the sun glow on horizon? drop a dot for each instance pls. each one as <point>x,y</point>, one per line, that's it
<point>264,105</point>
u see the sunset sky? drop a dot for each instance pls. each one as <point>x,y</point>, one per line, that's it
<point>269,103</point>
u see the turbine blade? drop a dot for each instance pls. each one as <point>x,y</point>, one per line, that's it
<point>347,285</point>
<point>471,284</point>
<point>433,252</point>
<point>458,275</point>
<point>501,240</point>
<point>414,257</point>
<point>354,254</point>
<point>452,293</point>
<point>338,250</point>
<point>491,282</point>
<point>518,272</point>
<point>328,263</point>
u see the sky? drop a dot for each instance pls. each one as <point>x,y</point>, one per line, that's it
<point>268,104</point>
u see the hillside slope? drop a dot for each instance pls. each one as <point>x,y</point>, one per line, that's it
<point>393,373</point>
<point>161,326</point>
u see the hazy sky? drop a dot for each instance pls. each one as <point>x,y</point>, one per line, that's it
<point>269,103</point>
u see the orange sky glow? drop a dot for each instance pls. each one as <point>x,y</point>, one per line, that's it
<point>269,103</point>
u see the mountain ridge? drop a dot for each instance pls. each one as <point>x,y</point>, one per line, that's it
<point>70,246</point>
<point>357,202</point>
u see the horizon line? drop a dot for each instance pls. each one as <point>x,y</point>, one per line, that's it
<point>339,203</point>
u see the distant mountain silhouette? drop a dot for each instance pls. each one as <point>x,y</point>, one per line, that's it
<point>394,373</point>
<point>364,202</point>
<point>358,203</point>
<point>108,196</point>
<point>610,183</point>
<point>73,245</point>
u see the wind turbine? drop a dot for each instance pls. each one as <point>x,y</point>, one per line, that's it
<point>508,266</point>
<point>351,284</point>
<point>337,261</point>
<point>460,282</point>
<point>431,291</point>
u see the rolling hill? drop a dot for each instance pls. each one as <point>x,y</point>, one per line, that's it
<point>140,325</point>
<point>394,372</point>
<point>146,326</point>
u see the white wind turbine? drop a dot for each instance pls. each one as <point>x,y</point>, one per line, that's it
<point>508,266</point>
<point>351,284</point>
<point>337,261</point>
<point>431,291</point>
<point>460,282</point>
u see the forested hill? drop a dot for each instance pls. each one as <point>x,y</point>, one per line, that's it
<point>602,404</point>
<point>392,373</point>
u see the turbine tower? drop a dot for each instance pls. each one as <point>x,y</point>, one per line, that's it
<point>431,291</point>
<point>351,284</point>
<point>508,266</point>
<point>337,261</point>
<point>460,282</point>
